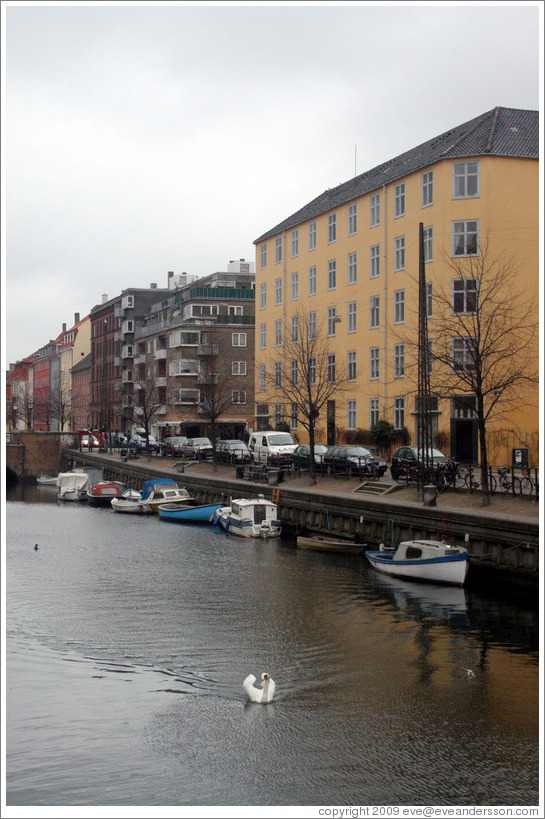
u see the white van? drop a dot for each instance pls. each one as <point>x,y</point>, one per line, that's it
<point>271,447</point>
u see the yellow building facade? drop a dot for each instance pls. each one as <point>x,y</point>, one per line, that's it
<point>349,261</point>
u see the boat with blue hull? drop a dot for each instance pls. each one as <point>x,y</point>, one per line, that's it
<point>184,513</point>
<point>430,561</point>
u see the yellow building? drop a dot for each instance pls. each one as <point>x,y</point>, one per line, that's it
<point>75,344</point>
<point>349,261</point>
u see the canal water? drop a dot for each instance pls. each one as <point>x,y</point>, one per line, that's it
<point>127,641</point>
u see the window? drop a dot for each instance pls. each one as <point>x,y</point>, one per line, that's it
<point>278,332</point>
<point>312,370</point>
<point>375,312</point>
<point>238,396</point>
<point>332,228</point>
<point>399,200</point>
<point>278,374</point>
<point>429,299</point>
<point>351,365</point>
<point>374,259</point>
<point>278,414</point>
<point>399,412</point>
<point>278,291</point>
<point>399,253</point>
<point>294,243</point>
<point>238,339</point>
<point>278,249</point>
<point>399,307</point>
<point>312,324</point>
<point>294,329</point>
<point>462,355</point>
<point>428,244</point>
<point>331,368</point>
<point>427,188</point>
<point>332,274</point>
<point>351,414</point>
<point>238,368</point>
<point>331,320</point>
<point>184,366</point>
<point>262,376</point>
<point>465,180</point>
<point>352,219</point>
<point>464,295</point>
<point>399,360</point>
<point>352,268</point>
<point>374,412</point>
<point>263,256</point>
<point>352,316</point>
<point>262,336</point>
<point>465,237</point>
<point>294,372</point>
<point>293,416</point>
<point>235,310</point>
<point>294,286</point>
<point>375,209</point>
<point>374,363</point>
<point>312,236</point>
<point>263,295</point>
<point>312,281</point>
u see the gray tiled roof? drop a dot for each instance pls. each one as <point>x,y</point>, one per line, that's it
<point>499,132</point>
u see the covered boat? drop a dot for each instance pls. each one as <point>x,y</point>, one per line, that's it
<point>319,543</point>
<point>250,517</point>
<point>72,486</point>
<point>425,560</point>
<point>130,501</point>
<point>101,493</point>
<point>158,491</point>
<point>185,513</point>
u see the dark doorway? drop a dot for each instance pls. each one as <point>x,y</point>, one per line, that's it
<point>330,423</point>
<point>464,438</point>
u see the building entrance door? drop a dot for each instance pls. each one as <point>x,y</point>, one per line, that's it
<point>464,437</point>
<point>330,423</point>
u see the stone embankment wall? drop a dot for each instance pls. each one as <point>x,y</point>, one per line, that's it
<point>29,454</point>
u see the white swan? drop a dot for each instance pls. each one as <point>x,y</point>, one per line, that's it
<point>263,694</point>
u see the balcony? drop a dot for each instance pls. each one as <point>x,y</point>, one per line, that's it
<point>118,362</point>
<point>162,410</point>
<point>207,349</point>
<point>161,381</point>
<point>127,351</point>
<point>161,354</point>
<point>127,327</point>
<point>119,312</point>
<point>140,359</point>
<point>126,377</point>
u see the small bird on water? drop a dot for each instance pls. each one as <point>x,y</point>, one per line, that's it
<point>263,694</point>
<point>35,547</point>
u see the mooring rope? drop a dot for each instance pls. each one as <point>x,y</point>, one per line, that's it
<point>507,549</point>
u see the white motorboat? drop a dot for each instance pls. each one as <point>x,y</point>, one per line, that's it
<point>130,501</point>
<point>159,491</point>
<point>426,560</point>
<point>46,480</point>
<point>72,486</point>
<point>250,517</point>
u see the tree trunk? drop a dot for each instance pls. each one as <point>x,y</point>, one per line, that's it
<point>485,491</point>
<point>312,463</point>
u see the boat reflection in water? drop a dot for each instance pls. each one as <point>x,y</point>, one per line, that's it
<point>437,602</point>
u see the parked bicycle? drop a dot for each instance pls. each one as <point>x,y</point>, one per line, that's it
<point>468,478</point>
<point>507,482</point>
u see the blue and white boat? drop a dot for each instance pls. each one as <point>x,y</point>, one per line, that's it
<point>431,561</point>
<point>250,517</point>
<point>158,491</point>
<point>183,513</point>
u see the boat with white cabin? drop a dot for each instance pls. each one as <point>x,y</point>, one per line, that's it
<point>159,491</point>
<point>250,517</point>
<point>430,561</point>
<point>130,501</point>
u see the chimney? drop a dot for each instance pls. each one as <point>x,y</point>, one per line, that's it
<point>104,298</point>
<point>76,318</point>
<point>64,328</point>
<point>170,274</point>
<point>153,286</point>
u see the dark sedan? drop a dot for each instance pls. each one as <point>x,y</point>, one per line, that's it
<point>232,451</point>
<point>407,456</point>
<point>300,457</point>
<point>353,460</point>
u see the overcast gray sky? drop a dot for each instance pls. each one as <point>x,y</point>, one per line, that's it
<point>143,138</point>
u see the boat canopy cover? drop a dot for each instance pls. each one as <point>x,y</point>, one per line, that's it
<point>73,480</point>
<point>157,483</point>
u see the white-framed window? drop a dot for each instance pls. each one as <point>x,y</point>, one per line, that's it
<point>184,366</point>
<point>331,320</point>
<point>427,189</point>
<point>238,396</point>
<point>278,374</point>
<point>351,413</point>
<point>312,370</point>
<point>332,274</point>
<point>263,295</point>
<point>399,253</point>
<point>294,372</point>
<point>262,336</point>
<point>352,268</point>
<point>374,412</point>
<point>311,324</point>
<point>374,363</point>
<point>312,281</point>
<point>294,243</point>
<point>331,228</point>
<point>399,412</point>
<point>312,236</point>
<point>352,365</point>
<point>399,200</point>
<point>263,255</point>
<point>294,286</point>
<point>238,340</point>
<point>278,249</point>
<point>127,302</point>
<point>183,338</point>
<point>278,332</point>
<point>465,180</point>
<point>462,358</point>
<point>352,316</point>
<point>399,360</point>
<point>278,414</point>
<point>238,368</point>
<point>374,312</point>
<point>184,396</point>
<point>262,376</point>
<point>428,244</point>
<point>331,368</point>
<point>465,237</point>
<point>293,416</point>
<point>278,291</point>
<point>235,310</point>
<point>352,219</point>
<point>374,204</point>
<point>399,306</point>
<point>429,299</point>
<point>464,295</point>
<point>294,329</point>
<point>374,261</point>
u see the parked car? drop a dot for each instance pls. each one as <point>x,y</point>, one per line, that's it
<point>232,451</point>
<point>173,445</point>
<point>300,457</point>
<point>138,443</point>
<point>356,460</point>
<point>197,448</point>
<point>409,455</point>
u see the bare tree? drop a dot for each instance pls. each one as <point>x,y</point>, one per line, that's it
<point>307,375</point>
<point>485,337</point>
<point>61,401</point>
<point>145,400</point>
